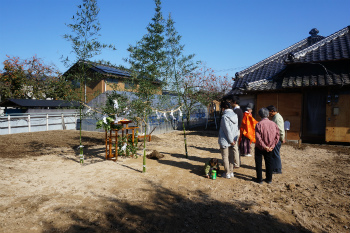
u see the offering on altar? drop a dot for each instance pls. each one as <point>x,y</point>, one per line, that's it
<point>125,121</point>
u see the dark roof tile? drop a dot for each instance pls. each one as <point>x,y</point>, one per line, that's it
<point>300,65</point>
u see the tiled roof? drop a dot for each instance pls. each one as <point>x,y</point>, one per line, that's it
<point>335,46</point>
<point>312,49</point>
<point>329,73</point>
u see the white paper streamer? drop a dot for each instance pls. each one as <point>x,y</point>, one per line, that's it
<point>126,111</point>
<point>124,147</point>
<point>164,114</point>
<point>172,114</point>
<point>158,115</point>
<point>105,119</point>
<point>116,106</point>
<point>180,113</point>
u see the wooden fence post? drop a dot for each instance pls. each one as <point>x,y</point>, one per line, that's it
<point>9,123</point>
<point>63,124</point>
<point>47,122</point>
<point>29,123</point>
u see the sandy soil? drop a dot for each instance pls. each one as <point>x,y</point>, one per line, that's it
<point>43,188</point>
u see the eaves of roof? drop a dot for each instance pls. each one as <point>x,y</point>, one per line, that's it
<point>109,70</point>
<point>102,69</point>
<point>38,103</point>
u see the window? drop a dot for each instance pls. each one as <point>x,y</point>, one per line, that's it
<point>129,85</point>
<point>112,81</point>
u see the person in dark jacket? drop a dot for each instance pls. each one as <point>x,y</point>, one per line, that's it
<point>276,158</point>
<point>237,109</point>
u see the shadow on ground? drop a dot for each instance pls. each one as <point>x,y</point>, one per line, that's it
<point>168,211</point>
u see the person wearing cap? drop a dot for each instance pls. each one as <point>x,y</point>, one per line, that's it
<point>247,131</point>
<point>276,158</point>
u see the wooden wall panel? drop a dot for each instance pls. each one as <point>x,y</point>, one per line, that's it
<point>119,87</point>
<point>289,105</point>
<point>93,89</point>
<point>264,100</point>
<point>338,126</point>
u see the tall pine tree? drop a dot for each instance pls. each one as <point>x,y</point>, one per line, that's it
<point>147,60</point>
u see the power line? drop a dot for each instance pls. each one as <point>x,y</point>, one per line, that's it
<point>232,69</point>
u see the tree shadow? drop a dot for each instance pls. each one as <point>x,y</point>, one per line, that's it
<point>195,169</point>
<point>182,156</point>
<point>211,150</point>
<point>203,133</point>
<point>91,140</point>
<point>199,169</point>
<point>168,211</point>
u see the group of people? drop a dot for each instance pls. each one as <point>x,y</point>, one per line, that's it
<point>238,130</point>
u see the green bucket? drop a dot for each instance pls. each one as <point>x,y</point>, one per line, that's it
<point>213,174</point>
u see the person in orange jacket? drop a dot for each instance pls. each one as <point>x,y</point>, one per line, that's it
<point>247,131</point>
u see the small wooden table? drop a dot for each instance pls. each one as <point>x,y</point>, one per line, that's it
<point>114,134</point>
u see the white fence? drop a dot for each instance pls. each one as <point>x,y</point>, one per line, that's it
<point>34,122</point>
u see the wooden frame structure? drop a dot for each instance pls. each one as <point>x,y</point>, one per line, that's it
<point>113,137</point>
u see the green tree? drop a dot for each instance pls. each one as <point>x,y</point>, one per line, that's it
<point>178,65</point>
<point>147,60</point>
<point>85,44</point>
<point>32,79</point>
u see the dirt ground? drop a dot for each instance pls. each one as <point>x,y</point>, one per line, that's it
<point>43,188</point>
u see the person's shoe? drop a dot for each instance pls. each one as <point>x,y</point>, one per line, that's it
<point>226,175</point>
<point>268,181</point>
<point>232,175</point>
<point>249,155</point>
<point>257,181</point>
<point>277,172</point>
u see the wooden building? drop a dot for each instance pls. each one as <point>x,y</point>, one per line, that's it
<point>309,83</point>
<point>103,78</point>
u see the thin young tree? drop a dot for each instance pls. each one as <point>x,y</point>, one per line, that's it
<point>178,65</point>
<point>85,45</point>
<point>147,60</point>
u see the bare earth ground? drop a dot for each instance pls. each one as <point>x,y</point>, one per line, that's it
<point>43,188</point>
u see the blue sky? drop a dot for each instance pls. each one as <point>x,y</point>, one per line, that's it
<point>229,35</point>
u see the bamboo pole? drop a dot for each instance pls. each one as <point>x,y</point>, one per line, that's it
<point>110,144</point>
<point>116,145</point>
<point>106,139</point>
